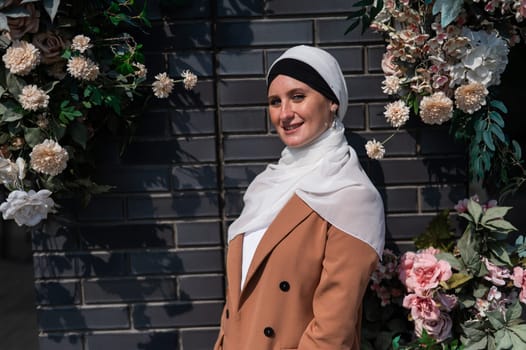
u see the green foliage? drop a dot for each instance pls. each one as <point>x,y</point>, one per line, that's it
<point>437,234</point>
<point>368,10</point>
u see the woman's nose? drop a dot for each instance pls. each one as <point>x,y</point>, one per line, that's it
<point>286,111</point>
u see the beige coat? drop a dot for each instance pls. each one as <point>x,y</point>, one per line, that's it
<point>303,290</point>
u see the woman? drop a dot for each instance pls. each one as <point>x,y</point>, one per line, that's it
<point>301,253</point>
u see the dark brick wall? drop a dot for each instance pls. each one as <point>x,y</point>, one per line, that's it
<point>143,269</point>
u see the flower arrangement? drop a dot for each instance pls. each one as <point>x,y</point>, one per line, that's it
<point>69,72</point>
<point>459,293</point>
<point>443,62</point>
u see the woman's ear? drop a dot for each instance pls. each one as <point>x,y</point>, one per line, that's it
<point>334,107</point>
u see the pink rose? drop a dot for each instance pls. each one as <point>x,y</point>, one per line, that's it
<point>430,250</point>
<point>426,273</point>
<point>496,274</point>
<point>439,329</point>
<point>405,266</point>
<point>51,45</point>
<point>18,26</point>
<point>421,307</point>
<point>519,281</point>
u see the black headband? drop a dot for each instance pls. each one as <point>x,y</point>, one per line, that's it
<point>303,72</point>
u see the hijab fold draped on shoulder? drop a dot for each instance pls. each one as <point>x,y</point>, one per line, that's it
<point>325,174</point>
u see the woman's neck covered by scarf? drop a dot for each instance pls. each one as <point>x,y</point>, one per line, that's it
<point>325,174</point>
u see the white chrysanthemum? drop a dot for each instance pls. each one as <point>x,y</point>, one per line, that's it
<point>27,208</point>
<point>163,85</point>
<point>32,98</point>
<point>21,57</point>
<point>141,70</point>
<point>83,68</point>
<point>81,43</point>
<point>484,61</point>
<point>397,113</point>
<point>391,85</point>
<point>471,97</point>
<point>436,109</point>
<point>374,149</point>
<point>190,79</point>
<point>49,158</point>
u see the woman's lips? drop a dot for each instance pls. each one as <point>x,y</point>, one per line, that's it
<point>289,129</point>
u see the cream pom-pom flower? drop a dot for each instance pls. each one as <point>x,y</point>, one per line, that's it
<point>21,57</point>
<point>470,98</point>
<point>397,113</point>
<point>33,98</point>
<point>375,149</point>
<point>163,85</point>
<point>83,68</point>
<point>49,158</point>
<point>190,79</point>
<point>436,109</point>
<point>81,43</point>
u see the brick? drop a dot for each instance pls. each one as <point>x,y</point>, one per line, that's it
<point>57,341</point>
<point>130,290</point>
<point>252,147</point>
<point>374,58</point>
<point>129,341</point>
<point>242,91</point>
<point>242,174</point>
<point>61,238</point>
<point>403,143</point>
<point>444,197</point>
<point>330,31</point>
<point>158,9</point>
<point>176,35</point>
<point>232,62</point>
<point>198,234</point>
<point>355,117</point>
<point>153,123</point>
<point>263,32</point>
<point>349,58</point>
<point>239,8</point>
<point>102,209</point>
<point>401,227</point>
<point>284,7</point>
<point>125,236</point>
<point>233,203</point>
<point>244,119</point>
<point>417,171</point>
<point>57,293</point>
<point>196,177</point>
<point>202,95</point>
<point>137,179</point>
<point>178,205</point>
<point>198,339</point>
<point>201,287</point>
<point>439,141</point>
<point>177,315</point>
<point>73,318</point>
<point>201,63</point>
<point>80,265</point>
<point>171,151</point>
<point>365,87</point>
<point>185,122</point>
<point>188,261</point>
<point>400,199</point>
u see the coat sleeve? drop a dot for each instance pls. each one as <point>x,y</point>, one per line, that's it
<point>337,304</point>
<point>219,342</point>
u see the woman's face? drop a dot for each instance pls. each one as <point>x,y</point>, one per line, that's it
<point>298,112</point>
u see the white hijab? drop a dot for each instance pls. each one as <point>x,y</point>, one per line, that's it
<point>325,174</point>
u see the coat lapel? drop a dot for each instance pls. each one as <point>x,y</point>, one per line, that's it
<point>290,216</point>
<point>234,261</point>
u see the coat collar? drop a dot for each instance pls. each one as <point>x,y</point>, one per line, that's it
<point>290,216</point>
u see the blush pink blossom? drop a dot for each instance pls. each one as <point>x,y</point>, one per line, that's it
<point>496,274</point>
<point>439,329</point>
<point>421,307</point>
<point>519,281</point>
<point>405,265</point>
<point>426,273</point>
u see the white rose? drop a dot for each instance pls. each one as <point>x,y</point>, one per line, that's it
<point>27,208</point>
<point>8,171</point>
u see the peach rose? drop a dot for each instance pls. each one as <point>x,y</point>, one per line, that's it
<point>421,307</point>
<point>426,273</point>
<point>388,66</point>
<point>439,329</point>
<point>51,46</point>
<point>18,26</point>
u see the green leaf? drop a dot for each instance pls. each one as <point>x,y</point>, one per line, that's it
<point>114,102</point>
<point>496,319</point>
<point>514,311</point>
<point>497,131</point>
<point>517,152</point>
<point>496,118</point>
<point>486,136</point>
<point>499,105</point>
<point>11,116</point>
<point>79,133</point>
<point>494,213</point>
<point>363,3</point>
<point>499,255</point>
<point>51,7</point>
<point>503,339</point>
<point>352,26</point>
<point>520,332</point>
<point>449,10</point>
<point>14,84</point>
<point>456,280</point>
<point>33,136</point>
<point>450,258</point>
<point>475,210</point>
<point>501,225</point>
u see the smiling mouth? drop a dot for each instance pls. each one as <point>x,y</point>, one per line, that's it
<point>292,127</point>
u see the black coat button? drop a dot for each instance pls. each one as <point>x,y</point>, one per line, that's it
<point>284,286</point>
<point>269,332</point>
<point>227,314</point>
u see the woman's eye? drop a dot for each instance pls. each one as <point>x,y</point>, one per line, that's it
<point>298,97</point>
<point>274,102</point>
